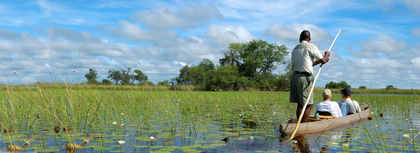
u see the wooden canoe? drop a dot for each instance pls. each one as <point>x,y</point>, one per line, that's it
<point>319,125</point>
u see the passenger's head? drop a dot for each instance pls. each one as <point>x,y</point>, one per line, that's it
<point>326,94</point>
<point>346,93</point>
<point>305,35</point>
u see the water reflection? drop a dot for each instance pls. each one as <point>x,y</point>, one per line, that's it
<point>300,144</point>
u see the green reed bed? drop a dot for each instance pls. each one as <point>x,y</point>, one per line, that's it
<point>104,118</point>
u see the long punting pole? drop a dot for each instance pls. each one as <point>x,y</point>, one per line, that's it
<point>310,92</point>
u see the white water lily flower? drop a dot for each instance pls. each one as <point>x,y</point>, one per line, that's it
<point>179,100</point>
<point>26,142</point>
<point>121,142</point>
<point>406,136</point>
<point>86,141</point>
<point>345,144</point>
<point>122,114</point>
<point>251,138</point>
<point>152,138</point>
<point>115,123</point>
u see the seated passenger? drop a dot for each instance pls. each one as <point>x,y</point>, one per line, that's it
<point>347,104</point>
<point>328,107</point>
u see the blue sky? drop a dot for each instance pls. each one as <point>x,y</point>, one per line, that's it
<point>43,41</point>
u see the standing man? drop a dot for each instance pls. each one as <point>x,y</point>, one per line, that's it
<point>304,56</point>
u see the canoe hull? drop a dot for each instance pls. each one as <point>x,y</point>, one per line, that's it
<point>323,125</point>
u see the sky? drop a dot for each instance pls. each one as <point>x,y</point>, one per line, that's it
<point>58,41</point>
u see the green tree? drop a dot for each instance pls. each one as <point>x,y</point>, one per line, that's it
<point>196,75</point>
<point>390,87</point>
<point>184,76</point>
<point>115,75</point>
<point>362,87</point>
<point>106,82</point>
<point>139,76</point>
<point>125,76</point>
<point>255,57</point>
<point>91,76</point>
<point>224,78</point>
<point>337,85</point>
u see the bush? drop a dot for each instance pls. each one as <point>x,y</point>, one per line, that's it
<point>106,82</point>
<point>336,85</point>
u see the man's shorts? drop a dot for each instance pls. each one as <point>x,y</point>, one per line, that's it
<point>300,85</point>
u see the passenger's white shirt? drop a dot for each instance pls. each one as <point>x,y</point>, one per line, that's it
<point>329,106</point>
<point>353,106</point>
<point>303,55</point>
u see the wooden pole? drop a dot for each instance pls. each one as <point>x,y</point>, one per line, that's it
<point>310,91</point>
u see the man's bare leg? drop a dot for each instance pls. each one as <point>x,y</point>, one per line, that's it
<point>306,114</point>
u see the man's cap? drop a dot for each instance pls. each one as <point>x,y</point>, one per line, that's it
<point>346,91</point>
<point>326,93</point>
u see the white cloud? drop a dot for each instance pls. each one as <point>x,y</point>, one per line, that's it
<point>381,45</point>
<point>188,17</point>
<point>133,32</point>
<point>223,35</point>
<point>392,5</point>
<point>412,4</point>
<point>290,33</point>
<point>416,32</point>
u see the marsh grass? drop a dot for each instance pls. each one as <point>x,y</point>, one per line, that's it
<point>89,112</point>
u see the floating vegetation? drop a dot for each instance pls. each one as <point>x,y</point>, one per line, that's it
<point>14,148</point>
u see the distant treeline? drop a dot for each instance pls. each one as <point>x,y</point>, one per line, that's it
<point>123,77</point>
<point>245,66</point>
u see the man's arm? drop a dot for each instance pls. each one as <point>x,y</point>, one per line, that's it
<point>323,60</point>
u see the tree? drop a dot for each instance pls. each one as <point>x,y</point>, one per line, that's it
<point>336,85</point>
<point>106,82</point>
<point>115,75</point>
<point>254,58</point>
<point>91,76</point>
<point>125,76</point>
<point>139,76</point>
<point>183,77</point>
<point>390,87</point>
<point>362,87</point>
<point>224,78</point>
<point>196,75</point>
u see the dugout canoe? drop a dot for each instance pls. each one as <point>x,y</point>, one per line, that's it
<point>319,125</point>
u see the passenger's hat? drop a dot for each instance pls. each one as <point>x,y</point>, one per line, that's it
<point>346,91</point>
<point>326,93</point>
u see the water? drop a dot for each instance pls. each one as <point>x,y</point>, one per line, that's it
<point>393,128</point>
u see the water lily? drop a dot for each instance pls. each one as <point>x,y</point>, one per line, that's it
<point>179,100</point>
<point>152,138</point>
<point>122,114</point>
<point>121,142</point>
<point>406,136</point>
<point>251,138</point>
<point>85,141</point>
<point>250,105</point>
<point>26,142</point>
<point>345,145</point>
<point>115,123</point>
